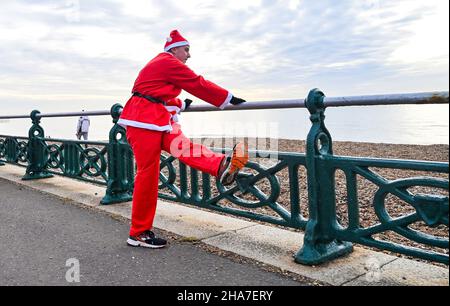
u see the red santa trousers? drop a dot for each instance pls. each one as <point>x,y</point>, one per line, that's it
<point>147,146</point>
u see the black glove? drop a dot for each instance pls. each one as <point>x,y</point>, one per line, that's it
<point>188,103</point>
<point>236,100</point>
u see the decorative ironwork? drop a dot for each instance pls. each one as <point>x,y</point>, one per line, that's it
<point>55,160</point>
<point>37,155</point>
<point>13,150</point>
<point>325,238</point>
<point>2,151</point>
<point>320,245</point>
<point>93,163</point>
<point>120,163</point>
<point>22,154</point>
<point>431,209</point>
<point>244,193</point>
<point>246,184</point>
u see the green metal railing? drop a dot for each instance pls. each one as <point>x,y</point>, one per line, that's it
<point>256,194</point>
<point>105,163</point>
<point>326,239</point>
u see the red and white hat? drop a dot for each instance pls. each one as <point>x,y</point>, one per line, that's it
<point>175,40</point>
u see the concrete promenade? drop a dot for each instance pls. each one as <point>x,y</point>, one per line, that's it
<point>42,226</point>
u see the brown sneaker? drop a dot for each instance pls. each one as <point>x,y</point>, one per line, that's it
<point>232,164</point>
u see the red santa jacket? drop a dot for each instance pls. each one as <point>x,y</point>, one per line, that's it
<point>164,77</point>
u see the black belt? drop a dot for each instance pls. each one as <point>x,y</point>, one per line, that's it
<point>149,98</point>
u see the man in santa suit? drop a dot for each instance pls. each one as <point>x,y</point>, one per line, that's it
<point>150,118</point>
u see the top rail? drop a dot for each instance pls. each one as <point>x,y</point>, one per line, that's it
<point>70,114</point>
<point>437,97</point>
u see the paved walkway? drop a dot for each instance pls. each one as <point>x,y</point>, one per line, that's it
<point>258,243</point>
<point>40,234</point>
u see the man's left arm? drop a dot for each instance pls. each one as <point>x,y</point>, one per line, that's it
<point>183,77</point>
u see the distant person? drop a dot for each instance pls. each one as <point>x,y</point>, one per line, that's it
<point>83,127</point>
<point>150,117</point>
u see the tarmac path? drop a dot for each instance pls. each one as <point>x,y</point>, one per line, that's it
<point>46,241</point>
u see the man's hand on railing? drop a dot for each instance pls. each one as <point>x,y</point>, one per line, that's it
<point>234,101</point>
<point>237,101</point>
<point>188,103</point>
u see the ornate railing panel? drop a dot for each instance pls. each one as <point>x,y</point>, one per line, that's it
<point>62,157</point>
<point>77,160</point>
<point>244,193</point>
<point>14,149</point>
<point>430,208</point>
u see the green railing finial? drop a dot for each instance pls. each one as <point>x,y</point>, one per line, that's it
<point>115,112</point>
<point>314,101</point>
<point>36,130</point>
<point>319,138</point>
<point>34,117</point>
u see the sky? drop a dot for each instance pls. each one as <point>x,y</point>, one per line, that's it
<point>68,55</point>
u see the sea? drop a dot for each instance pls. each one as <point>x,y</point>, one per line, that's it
<point>397,124</point>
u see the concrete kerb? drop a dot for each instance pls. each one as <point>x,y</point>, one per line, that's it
<point>263,243</point>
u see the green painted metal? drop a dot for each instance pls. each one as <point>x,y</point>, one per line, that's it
<point>320,245</point>
<point>248,199</point>
<point>37,154</point>
<point>431,209</point>
<point>326,239</point>
<point>2,151</point>
<point>112,164</point>
<point>13,150</point>
<point>62,157</point>
<point>120,164</point>
<point>70,159</point>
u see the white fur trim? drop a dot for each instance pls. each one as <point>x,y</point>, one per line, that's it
<point>173,108</point>
<point>177,44</point>
<point>142,125</point>
<point>227,101</point>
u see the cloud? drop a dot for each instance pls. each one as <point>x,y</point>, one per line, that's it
<point>90,51</point>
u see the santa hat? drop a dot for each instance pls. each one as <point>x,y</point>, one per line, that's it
<point>175,40</point>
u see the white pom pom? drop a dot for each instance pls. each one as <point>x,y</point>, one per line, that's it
<point>169,39</point>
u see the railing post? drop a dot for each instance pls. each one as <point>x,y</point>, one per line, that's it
<point>319,244</point>
<point>37,151</point>
<point>120,163</point>
<point>2,151</point>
